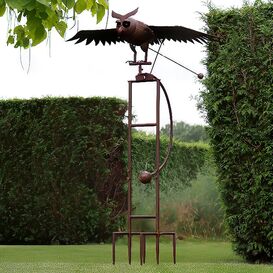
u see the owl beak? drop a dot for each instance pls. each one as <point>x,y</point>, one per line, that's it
<point>119,30</point>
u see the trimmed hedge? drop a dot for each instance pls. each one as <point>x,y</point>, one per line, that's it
<point>184,163</point>
<point>61,170</point>
<point>239,105</point>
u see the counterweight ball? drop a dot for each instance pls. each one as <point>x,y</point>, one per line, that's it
<point>145,177</point>
<point>200,76</point>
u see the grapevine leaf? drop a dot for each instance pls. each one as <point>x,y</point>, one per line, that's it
<point>40,34</point>
<point>19,16</point>
<point>69,3</point>
<point>61,27</point>
<point>80,6</point>
<point>19,31</point>
<point>100,12</point>
<point>89,4</point>
<point>2,7</point>
<point>10,40</point>
<point>44,2</point>
<point>32,5</point>
<point>104,3</point>
<point>42,15</point>
<point>94,9</point>
<point>18,4</point>
<point>25,42</point>
<point>36,29</point>
<point>51,20</point>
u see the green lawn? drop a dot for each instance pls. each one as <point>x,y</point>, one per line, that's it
<point>192,257</point>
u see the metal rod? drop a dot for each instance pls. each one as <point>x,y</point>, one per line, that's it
<point>144,248</point>
<point>157,154</point>
<point>129,248</point>
<point>144,125</point>
<point>129,172</point>
<point>157,248</point>
<point>164,56</point>
<point>174,248</point>
<point>171,128</point>
<point>157,167</point>
<point>114,248</point>
<point>143,216</point>
<point>141,248</point>
<point>157,53</point>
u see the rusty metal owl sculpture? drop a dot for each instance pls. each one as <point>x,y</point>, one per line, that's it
<point>137,33</point>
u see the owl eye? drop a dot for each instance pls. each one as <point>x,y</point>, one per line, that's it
<point>118,23</point>
<point>126,24</point>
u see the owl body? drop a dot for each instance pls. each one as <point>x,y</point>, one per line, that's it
<point>137,33</point>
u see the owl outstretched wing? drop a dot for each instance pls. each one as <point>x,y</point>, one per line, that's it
<point>102,35</point>
<point>178,33</point>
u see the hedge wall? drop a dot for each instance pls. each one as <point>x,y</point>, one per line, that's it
<point>61,170</point>
<point>184,163</point>
<point>239,106</point>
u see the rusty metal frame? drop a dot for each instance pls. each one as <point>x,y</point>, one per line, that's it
<point>142,78</point>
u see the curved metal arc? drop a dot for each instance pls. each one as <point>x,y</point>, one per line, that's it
<point>145,177</point>
<point>171,129</point>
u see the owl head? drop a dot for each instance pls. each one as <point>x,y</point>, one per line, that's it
<point>124,23</point>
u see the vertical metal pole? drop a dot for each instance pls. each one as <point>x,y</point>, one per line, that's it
<point>157,168</point>
<point>174,249</point>
<point>130,172</point>
<point>114,248</point>
<point>141,248</point>
<point>144,249</point>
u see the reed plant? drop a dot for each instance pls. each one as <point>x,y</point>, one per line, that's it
<point>193,211</point>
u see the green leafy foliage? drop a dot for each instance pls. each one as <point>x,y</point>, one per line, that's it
<point>239,106</point>
<point>100,12</point>
<point>192,209</point>
<point>69,3</point>
<point>2,7</point>
<point>186,132</point>
<point>62,171</point>
<point>182,167</point>
<point>36,18</point>
<point>80,6</point>
<point>196,211</point>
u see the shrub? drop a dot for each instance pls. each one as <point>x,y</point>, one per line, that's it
<point>183,165</point>
<point>185,162</point>
<point>239,106</point>
<point>61,170</point>
<point>197,210</point>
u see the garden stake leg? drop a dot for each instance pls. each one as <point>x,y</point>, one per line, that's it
<point>174,249</point>
<point>114,248</point>
<point>144,249</point>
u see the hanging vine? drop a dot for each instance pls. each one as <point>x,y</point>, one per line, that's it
<point>34,19</point>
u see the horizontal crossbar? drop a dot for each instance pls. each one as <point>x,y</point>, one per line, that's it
<point>144,233</point>
<point>143,216</point>
<point>143,125</point>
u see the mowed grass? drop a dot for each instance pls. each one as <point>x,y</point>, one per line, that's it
<point>192,257</point>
